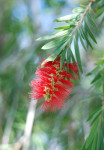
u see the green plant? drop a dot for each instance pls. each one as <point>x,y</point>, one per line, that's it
<point>79,27</point>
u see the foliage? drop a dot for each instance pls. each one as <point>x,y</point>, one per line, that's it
<point>79,28</point>
<point>95,140</point>
<point>66,129</point>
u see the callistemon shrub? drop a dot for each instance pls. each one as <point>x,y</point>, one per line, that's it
<point>53,84</point>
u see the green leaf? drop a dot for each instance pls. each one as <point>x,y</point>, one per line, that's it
<point>101,62</point>
<point>91,21</point>
<point>72,56</point>
<point>97,77</point>
<point>83,148</point>
<point>63,56</point>
<point>93,71</point>
<point>66,18</point>
<point>78,9</point>
<point>56,35</point>
<point>83,44</point>
<point>68,50</point>
<point>68,60</point>
<point>90,97</point>
<point>102,123</point>
<point>92,133</point>
<point>86,38</point>
<point>102,145</point>
<point>74,21</point>
<point>99,4</point>
<point>77,52</point>
<point>64,27</point>
<point>94,142</point>
<point>60,48</point>
<point>99,12</point>
<point>100,139</point>
<point>57,51</point>
<point>95,115</point>
<point>54,43</point>
<point>81,33</point>
<point>90,33</point>
<point>83,6</point>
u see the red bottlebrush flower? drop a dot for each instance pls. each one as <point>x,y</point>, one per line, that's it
<point>53,84</point>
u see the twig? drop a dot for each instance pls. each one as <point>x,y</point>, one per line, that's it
<point>84,14</point>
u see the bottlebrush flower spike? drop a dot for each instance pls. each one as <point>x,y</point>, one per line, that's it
<point>53,85</point>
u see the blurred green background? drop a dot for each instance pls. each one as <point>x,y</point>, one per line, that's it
<point>21,22</point>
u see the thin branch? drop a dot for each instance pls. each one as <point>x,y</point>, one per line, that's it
<point>83,16</point>
<point>29,124</point>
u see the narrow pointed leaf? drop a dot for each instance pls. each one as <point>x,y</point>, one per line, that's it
<point>72,56</point>
<point>54,43</point>
<point>97,77</point>
<point>101,62</point>
<point>74,21</point>
<point>102,125</point>
<point>99,12</point>
<point>83,148</point>
<point>81,33</point>
<point>63,27</point>
<point>95,115</point>
<point>94,142</point>
<point>56,35</point>
<point>90,33</point>
<point>92,133</point>
<point>99,139</point>
<point>68,60</point>
<point>83,44</point>
<point>86,38</point>
<point>59,49</point>
<point>102,144</point>
<point>66,18</point>
<point>91,21</point>
<point>63,56</point>
<point>77,53</point>
<point>93,71</point>
<point>78,9</point>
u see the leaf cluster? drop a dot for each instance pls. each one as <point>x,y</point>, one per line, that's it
<point>95,140</point>
<point>98,73</point>
<point>79,27</point>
